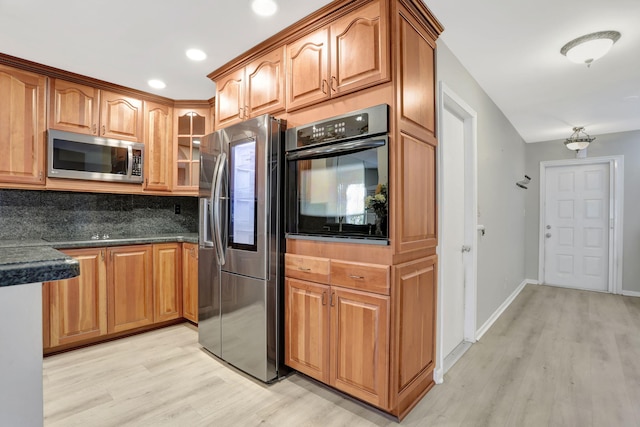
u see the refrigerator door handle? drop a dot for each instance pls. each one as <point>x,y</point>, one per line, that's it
<point>215,212</point>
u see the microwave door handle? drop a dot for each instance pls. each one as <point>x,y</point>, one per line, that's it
<point>333,150</point>
<point>215,217</point>
<point>129,161</point>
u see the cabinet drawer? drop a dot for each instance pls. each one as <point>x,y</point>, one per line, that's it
<point>367,277</point>
<point>306,268</point>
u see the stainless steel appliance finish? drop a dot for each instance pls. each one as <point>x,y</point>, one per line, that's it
<point>337,178</point>
<point>79,156</point>
<point>241,245</point>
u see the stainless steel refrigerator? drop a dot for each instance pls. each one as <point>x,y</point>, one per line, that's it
<point>241,246</point>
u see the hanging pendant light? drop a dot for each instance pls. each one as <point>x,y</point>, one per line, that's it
<point>579,139</point>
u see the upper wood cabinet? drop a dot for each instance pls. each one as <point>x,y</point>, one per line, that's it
<point>22,126</point>
<point>129,287</point>
<point>84,109</point>
<point>78,306</point>
<point>359,57</point>
<point>158,138</point>
<point>258,88</point>
<point>167,281</point>
<point>190,125</point>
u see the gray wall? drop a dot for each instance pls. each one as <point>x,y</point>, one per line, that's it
<point>623,143</point>
<point>501,163</point>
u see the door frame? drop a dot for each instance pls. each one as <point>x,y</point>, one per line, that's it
<point>616,203</point>
<point>448,99</point>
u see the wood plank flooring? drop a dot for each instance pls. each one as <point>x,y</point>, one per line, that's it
<point>556,357</point>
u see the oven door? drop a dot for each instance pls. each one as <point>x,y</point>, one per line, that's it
<point>339,191</point>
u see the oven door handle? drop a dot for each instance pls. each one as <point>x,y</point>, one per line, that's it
<point>333,150</point>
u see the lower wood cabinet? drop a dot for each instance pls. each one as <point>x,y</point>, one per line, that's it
<point>167,281</point>
<point>119,289</point>
<point>78,306</point>
<point>129,287</point>
<point>339,336</point>
<point>190,281</point>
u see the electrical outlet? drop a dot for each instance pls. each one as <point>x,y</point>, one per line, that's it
<point>176,208</point>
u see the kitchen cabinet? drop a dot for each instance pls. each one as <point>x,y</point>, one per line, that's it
<point>83,109</point>
<point>349,54</point>
<point>129,287</point>
<point>78,306</point>
<point>191,124</point>
<point>22,127</point>
<point>158,138</point>
<point>190,281</point>
<point>167,281</point>
<point>255,89</point>
<point>335,334</point>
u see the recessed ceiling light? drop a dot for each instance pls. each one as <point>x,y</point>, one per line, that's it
<point>264,7</point>
<point>157,84</point>
<point>196,55</point>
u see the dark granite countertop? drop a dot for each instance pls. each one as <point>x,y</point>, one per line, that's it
<point>37,260</point>
<point>30,264</point>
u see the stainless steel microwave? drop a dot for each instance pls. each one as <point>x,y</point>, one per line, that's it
<point>77,156</point>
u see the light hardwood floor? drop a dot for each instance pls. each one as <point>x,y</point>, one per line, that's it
<point>556,357</point>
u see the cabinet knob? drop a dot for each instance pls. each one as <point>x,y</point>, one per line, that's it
<point>94,129</point>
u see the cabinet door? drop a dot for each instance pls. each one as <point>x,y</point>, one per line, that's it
<point>121,117</point>
<point>265,83</point>
<point>78,306</point>
<point>415,319</point>
<point>359,49</point>
<point>191,124</point>
<point>159,146</point>
<point>360,345</point>
<point>129,288</point>
<point>307,328</point>
<point>230,105</point>
<point>308,70</point>
<point>190,282</point>
<point>167,281</point>
<point>22,126</point>
<point>73,107</point>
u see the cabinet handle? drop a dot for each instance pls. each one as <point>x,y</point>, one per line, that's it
<point>353,276</point>
<point>324,86</point>
<point>304,269</point>
<point>104,130</point>
<point>241,113</point>
<point>40,175</point>
<point>333,78</point>
<point>146,182</point>
<point>324,298</point>
<point>331,301</point>
<point>94,129</point>
<point>102,255</point>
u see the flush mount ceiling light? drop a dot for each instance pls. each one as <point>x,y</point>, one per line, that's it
<point>264,7</point>
<point>157,84</point>
<point>588,48</point>
<point>196,55</point>
<point>578,140</point>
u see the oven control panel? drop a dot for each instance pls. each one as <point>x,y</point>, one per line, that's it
<point>369,121</point>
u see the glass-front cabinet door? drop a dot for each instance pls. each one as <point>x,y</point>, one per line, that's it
<point>192,124</point>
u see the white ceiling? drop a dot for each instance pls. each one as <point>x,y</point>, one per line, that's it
<point>510,47</point>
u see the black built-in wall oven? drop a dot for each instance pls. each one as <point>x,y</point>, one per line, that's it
<point>338,178</point>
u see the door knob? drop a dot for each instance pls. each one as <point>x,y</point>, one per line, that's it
<point>548,227</point>
<point>548,235</point>
<point>466,248</point>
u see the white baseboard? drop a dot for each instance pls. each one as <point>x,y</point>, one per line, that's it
<point>438,375</point>
<point>630,293</point>
<point>484,328</point>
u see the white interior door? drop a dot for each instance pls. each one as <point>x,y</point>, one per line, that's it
<point>453,233</point>
<point>576,226</point>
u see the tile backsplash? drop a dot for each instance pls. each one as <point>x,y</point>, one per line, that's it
<point>27,214</point>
